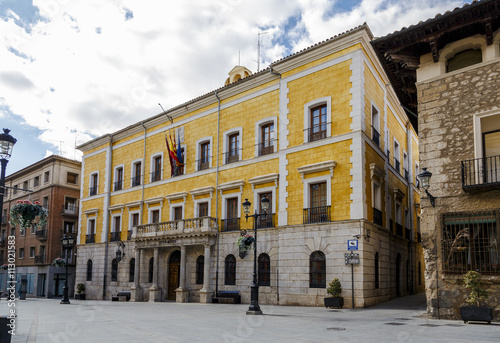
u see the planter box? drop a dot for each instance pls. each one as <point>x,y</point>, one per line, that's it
<point>80,296</point>
<point>331,302</point>
<point>476,314</point>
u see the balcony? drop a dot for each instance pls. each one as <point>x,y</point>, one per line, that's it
<point>231,156</point>
<point>266,147</point>
<point>136,181</point>
<point>70,210</point>
<point>118,185</point>
<point>481,174</point>
<point>399,230</point>
<point>115,236</point>
<point>230,224</point>
<point>90,238</point>
<point>176,228</point>
<point>204,163</point>
<point>266,221</point>
<point>317,132</point>
<point>156,176</point>
<point>397,165</point>
<point>93,191</point>
<point>377,216</point>
<point>39,259</point>
<point>41,235</point>
<point>316,215</point>
<point>375,136</point>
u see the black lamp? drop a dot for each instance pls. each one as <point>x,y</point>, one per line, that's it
<point>425,180</point>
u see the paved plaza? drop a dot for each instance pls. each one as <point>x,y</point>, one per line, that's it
<point>400,320</point>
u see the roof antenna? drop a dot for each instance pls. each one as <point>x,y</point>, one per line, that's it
<point>258,49</point>
<point>168,117</point>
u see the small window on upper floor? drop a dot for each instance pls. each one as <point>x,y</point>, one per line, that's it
<point>46,177</point>
<point>36,181</point>
<point>464,59</point>
<point>72,178</point>
<point>25,184</point>
<point>317,119</point>
<point>375,126</point>
<point>94,182</point>
<point>14,191</point>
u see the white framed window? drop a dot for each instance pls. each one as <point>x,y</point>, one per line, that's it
<point>202,207</point>
<point>91,226</point>
<point>232,140</point>
<point>308,194</point>
<point>116,223</point>
<point>270,193</point>
<point>154,214</point>
<point>177,211</point>
<point>317,119</point>
<point>266,131</point>
<point>156,167</point>
<point>375,125</point>
<point>377,195</point>
<point>405,166</point>
<point>230,209</point>
<point>134,219</point>
<point>94,183</point>
<point>118,177</point>
<point>204,153</point>
<point>137,169</point>
<point>398,215</point>
<point>36,181</point>
<point>397,161</point>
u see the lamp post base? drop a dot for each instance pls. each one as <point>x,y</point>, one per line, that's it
<point>64,302</point>
<point>249,312</point>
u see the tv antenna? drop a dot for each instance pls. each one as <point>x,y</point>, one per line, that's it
<point>258,49</point>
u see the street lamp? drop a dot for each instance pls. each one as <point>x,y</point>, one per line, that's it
<point>6,144</point>
<point>254,297</point>
<point>425,180</point>
<point>67,244</point>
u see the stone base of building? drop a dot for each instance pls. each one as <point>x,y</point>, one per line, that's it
<point>206,296</point>
<point>181,295</point>
<point>135,294</point>
<point>154,294</point>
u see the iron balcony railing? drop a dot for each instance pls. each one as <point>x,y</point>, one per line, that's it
<point>319,214</point>
<point>203,225</point>
<point>399,230</point>
<point>481,173</point>
<point>93,190</point>
<point>375,136</point>
<point>90,238</point>
<point>129,234</point>
<point>70,209</point>
<point>230,224</point>
<point>204,163</point>
<point>266,148</point>
<point>317,132</point>
<point>407,175</point>
<point>397,165</point>
<point>39,259</point>
<point>377,216</point>
<point>115,236</point>
<point>156,176</point>
<point>41,235</point>
<point>231,156</point>
<point>265,221</point>
<point>118,185</point>
<point>136,180</point>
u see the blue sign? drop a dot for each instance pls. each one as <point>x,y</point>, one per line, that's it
<point>352,244</point>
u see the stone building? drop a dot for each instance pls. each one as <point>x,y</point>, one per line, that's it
<point>451,65</point>
<point>54,182</point>
<point>320,133</point>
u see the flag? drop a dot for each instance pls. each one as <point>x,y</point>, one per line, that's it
<point>169,156</point>
<point>179,156</point>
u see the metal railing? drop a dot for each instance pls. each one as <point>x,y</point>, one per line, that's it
<point>397,165</point>
<point>115,236</point>
<point>265,221</point>
<point>266,148</point>
<point>230,224</point>
<point>375,136</point>
<point>39,259</point>
<point>204,163</point>
<point>481,172</point>
<point>118,185</point>
<point>377,216</point>
<point>407,175</point>
<point>317,132</point>
<point>156,176</point>
<point>231,156</point>
<point>319,214</point>
<point>176,227</point>
<point>70,209</point>
<point>41,234</point>
<point>93,190</point>
<point>90,238</point>
<point>136,180</point>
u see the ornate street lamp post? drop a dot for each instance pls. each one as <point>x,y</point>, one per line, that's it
<point>67,244</point>
<point>254,297</point>
<point>6,144</point>
<point>425,180</point>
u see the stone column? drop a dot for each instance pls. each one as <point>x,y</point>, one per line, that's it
<point>154,290</point>
<point>205,292</point>
<point>136,287</point>
<point>182,294</point>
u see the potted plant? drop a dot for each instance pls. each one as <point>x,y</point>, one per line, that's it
<point>245,243</point>
<point>335,290</point>
<point>472,281</point>
<point>58,262</point>
<point>25,214</point>
<point>80,292</point>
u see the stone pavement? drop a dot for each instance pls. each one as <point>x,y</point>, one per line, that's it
<point>399,320</point>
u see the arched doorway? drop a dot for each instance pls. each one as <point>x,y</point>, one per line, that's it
<point>398,275</point>
<point>174,272</point>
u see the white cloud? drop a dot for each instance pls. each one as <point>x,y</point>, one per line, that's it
<point>92,67</point>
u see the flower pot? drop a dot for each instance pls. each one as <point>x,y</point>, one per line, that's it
<point>476,314</point>
<point>331,302</point>
<point>79,296</point>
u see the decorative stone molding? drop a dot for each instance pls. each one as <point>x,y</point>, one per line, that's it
<point>258,180</point>
<point>91,211</point>
<point>317,167</point>
<point>398,194</point>
<point>201,191</point>
<point>231,185</point>
<point>176,196</point>
<point>116,208</point>
<point>377,171</point>
<point>133,204</point>
<point>154,200</point>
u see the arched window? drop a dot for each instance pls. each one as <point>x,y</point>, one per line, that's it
<point>131,271</point>
<point>89,270</point>
<point>230,270</point>
<point>464,59</point>
<point>317,270</point>
<point>114,270</point>
<point>200,266</point>
<point>264,270</point>
<point>151,266</point>
<point>376,271</point>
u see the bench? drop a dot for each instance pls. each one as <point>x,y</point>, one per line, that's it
<point>227,297</point>
<point>122,296</point>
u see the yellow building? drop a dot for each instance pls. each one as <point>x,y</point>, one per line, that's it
<point>320,133</point>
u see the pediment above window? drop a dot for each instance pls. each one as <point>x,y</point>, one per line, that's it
<point>317,167</point>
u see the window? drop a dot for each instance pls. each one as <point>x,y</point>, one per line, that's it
<point>267,139</point>
<point>136,173</point>
<point>469,241</point>
<point>200,266</point>
<point>72,178</point>
<point>89,270</point>
<point>232,221</point>
<point>36,181</point>
<point>318,210</point>
<point>204,162</point>
<point>377,203</point>
<point>375,126</point>
<point>464,59</point>
<point>317,119</point>
<point>32,229</point>
<point>177,213</point>
<point>417,171</point>
<point>93,184</point>
<point>155,216</point>
<point>233,151</point>
<point>21,252</point>
<point>157,169</point>
<point>25,184</point>
<point>318,194</point>
<point>396,156</point>
<point>179,170</point>
<point>90,238</point>
<point>131,271</point>
<point>118,185</point>
<point>405,166</point>
<point>46,177</point>
<point>14,191</point>
<point>230,270</point>
<point>264,271</point>
<point>376,271</point>
<point>45,202</point>
<point>70,206</point>
<point>69,227</point>
<point>32,252</point>
<point>116,229</point>
<point>317,130</point>
<point>151,269</point>
<point>266,220</point>
<point>317,270</point>
<point>114,270</point>
<point>203,209</point>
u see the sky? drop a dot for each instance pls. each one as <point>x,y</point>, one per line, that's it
<point>74,70</point>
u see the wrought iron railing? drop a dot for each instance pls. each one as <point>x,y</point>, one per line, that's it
<point>230,224</point>
<point>118,185</point>
<point>377,216</point>
<point>70,209</point>
<point>481,172</point>
<point>397,165</point>
<point>156,176</point>
<point>231,156</point>
<point>317,132</point>
<point>41,234</point>
<point>407,175</point>
<point>204,163</point>
<point>319,214</point>
<point>93,190</point>
<point>265,221</point>
<point>115,236</point>
<point>136,180</point>
<point>375,136</point>
<point>90,238</point>
<point>266,148</point>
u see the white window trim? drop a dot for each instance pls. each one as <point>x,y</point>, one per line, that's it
<point>174,206</point>
<point>130,220</point>
<point>88,224</point>
<point>307,115</point>
<point>202,200</point>
<point>379,184</point>
<point>225,142</point>
<point>224,203</point>
<point>132,171</point>
<point>90,181</point>
<point>307,182</point>
<point>396,219</point>
<point>150,213</point>
<point>113,228</point>
<point>478,134</point>
<point>377,126</point>
<point>396,153</point>
<point>258,132</point>
<point>152,165</point>
<point>405,161</point>
<point>199,142</point>
<point>115,175</point>
<point>256,197</point>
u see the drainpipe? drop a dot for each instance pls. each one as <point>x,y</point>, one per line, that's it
<point>144,166</point>
<point>410,207</point>
<point>217,198</point>
<point>106,214</point>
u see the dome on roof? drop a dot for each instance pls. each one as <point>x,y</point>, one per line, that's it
<point>236,74</point>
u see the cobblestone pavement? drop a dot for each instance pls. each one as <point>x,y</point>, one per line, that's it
<point>399,320</point>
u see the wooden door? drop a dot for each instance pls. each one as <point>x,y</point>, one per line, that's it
<point>174,272</point>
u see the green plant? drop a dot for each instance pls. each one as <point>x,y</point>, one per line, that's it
<point>245,242</point>
<point>58,262</point>
<point>334,288</point>
<point>80,288</point>
<point>472,281</point>
<point>25,214</point>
